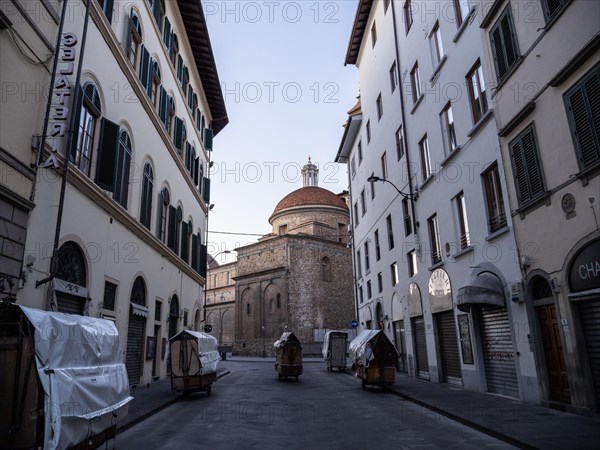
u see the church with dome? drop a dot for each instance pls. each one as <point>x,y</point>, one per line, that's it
<point>299,276</point>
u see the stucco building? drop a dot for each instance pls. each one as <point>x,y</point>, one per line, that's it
<point>298,277</point>
<point>120,232</point>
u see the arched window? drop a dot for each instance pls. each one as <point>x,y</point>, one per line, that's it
<point>156,79</point>
<point>158,11</point>
<point>147,188</point>
<point>123,169</point>
<point>91,108</point>
<point>540,288</point>
<point>134,39</point>
<point>138,292</point>
<point>174,49</point>
<point>164,198</point>
<point>325,269</point>
<point>71,264</point>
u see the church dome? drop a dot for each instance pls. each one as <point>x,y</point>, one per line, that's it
<point>310,196</point>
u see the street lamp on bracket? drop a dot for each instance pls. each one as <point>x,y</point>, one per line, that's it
<point>373,179</point>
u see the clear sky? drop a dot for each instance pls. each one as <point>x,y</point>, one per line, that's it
<point>281,67</point>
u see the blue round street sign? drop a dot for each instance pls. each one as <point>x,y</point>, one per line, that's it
<point>354,323</point>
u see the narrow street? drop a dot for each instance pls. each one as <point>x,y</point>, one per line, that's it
<point>250,408</point>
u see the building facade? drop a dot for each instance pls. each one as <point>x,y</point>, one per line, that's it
<point>123,237</point>
<point>435,256</point>
<point>299,277</point>
<point>546,73</point>
<point>220,303</point>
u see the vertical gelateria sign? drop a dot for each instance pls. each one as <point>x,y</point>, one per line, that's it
<point>62,95</point>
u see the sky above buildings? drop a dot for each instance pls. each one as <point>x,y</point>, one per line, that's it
<point>281,67</point>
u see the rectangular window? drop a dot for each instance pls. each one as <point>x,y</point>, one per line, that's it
<point>408,16</point>
<point>493,199</point>
<point>369,290</point>
<point>158,311</point>
<point>425,158</point>
<point>386,4</point>
<point>360,152</point>
<point>463,223</point>
<point>435,42</point>
<point>583,111</point>
<point>110,296</point>
<point>368,131</point>
<point>363,203</point>
<point>353,166</point>
<point>412,263</point>
<point>356,221</point>
<point>477,96</point>
<point>552,8</point>
<point>215,281</point>
<point>527,169</point>
<point>358,264</point>
<point>372,187</point>
<point>399,143</point>
<point>384,170</point>
<point>434,239</point>
<point>394,273</point>
<point>461,8</point>
<point>504,44</point>
<point>374,34</point>
<point>447,120</point>
<point>415,80</point>
<point>407,217</point>
<point>228,278</point>
<point>361,295</point>
<point>185,317</point>
<point>390,232</point>
<point>367,259</point>
<point>379,283</point>
<point>393,77</point>
<point>377,246</point>
<point>379,107</point>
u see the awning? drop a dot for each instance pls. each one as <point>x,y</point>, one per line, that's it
<point>484,288</point>
<point>139,310</point>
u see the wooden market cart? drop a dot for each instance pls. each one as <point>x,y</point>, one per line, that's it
<point>194,357</point>
<point>335,349</point>
<point>288,356</point>
<point>374,357</point>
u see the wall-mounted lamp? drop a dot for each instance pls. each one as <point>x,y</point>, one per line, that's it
<point>373,179</point>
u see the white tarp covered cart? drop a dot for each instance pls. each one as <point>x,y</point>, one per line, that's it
<point>334,349</point>
<point>194,358</point>
<point>288,356</point>
<point>62,379</point>
<point>374,357</point>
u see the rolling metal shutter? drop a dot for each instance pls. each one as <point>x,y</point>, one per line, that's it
<point>448,347</point>
<point>69,304</point>
<point>135,348</point>
<point>589,312</point>
<point>498,353</point>
<point>420,348</point>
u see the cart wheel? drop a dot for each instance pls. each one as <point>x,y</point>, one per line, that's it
<point>208,390</point>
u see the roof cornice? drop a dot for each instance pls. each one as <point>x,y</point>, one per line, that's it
<point>358,30</point>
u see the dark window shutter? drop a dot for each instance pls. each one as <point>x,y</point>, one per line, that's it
<point>196,167</point>
<point>208,139</point>
<point>178,135</point>
<point>180,70</point>
<point>188,156</point>
<point>167,34</point>
<point>128,40</point>
<point>158,6</point>
<point>504,44</point>
<point>206,191</point>
<point>77,105</point>
<point>526,166</point>
<point>107,6</point>
<point>552,7</point>
<point>145,68</point>
<point>194,261</point>
<point>163,107</point>
<point>583,104</point>
<point>496,41</point>
<point>185,239</point>
<point>171,239</point>
<point>203,261</point>
<point>107,155</point>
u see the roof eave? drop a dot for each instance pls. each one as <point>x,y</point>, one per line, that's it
<point>350,133</point>
<point>358,31</point>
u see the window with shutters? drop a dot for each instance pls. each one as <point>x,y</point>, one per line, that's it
<point>367,258</point>
<point>390,232</point>
<point>107,7</point>
<point>186,235</point>
<point>156,79</point>
<point>415,82</point>
<point>134,39</point>
<point>91,109</point>
<point>173,49</point>
<point>526,165</point>
<point>158,11</point>
<point>178,220</point>
<point>503,40</point>
<point>477,94</point>
<point>583,110</point>
<point>358,264</point>
<point>363,203</point>
<point>110,296</point>
<point>123,169</point>
<point>552,8</point>
<point>179,135</point>
<point>106,162</point>
<point>377,246</point>
<point>407,217</point>
<point>147,188</point>
<point>434,239</point>
<point>167,35</point>
<point>494,199</point>
<point>164,199</point>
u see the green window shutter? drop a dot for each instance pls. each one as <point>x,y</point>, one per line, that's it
<point>77,105</point>
<point>526,167</point>
<point>158,7</point>
<point>128,41</point>
<point>194,261</point>
<point>583,105</point>
<point>163,107</point>
<point>195,171</point>
<point>206,191</point>
<point>504,44</point>
<point>203,261</point>
<point>185,238</point>
<point>108,9</point>
<point>167,34</point>
<point>208,139</point>
<point>145,67</point>
<point>171,231</point>
<point>107,155</point>
<point>178,135</point>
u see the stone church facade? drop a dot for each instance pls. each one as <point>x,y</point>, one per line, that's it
<point>298,277</point>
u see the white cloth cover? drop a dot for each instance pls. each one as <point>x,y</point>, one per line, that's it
<point>79,363</point>
<point>207,349</point>
<point>359,351</point>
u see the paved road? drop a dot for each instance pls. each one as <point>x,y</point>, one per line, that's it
<point>250,408</point>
